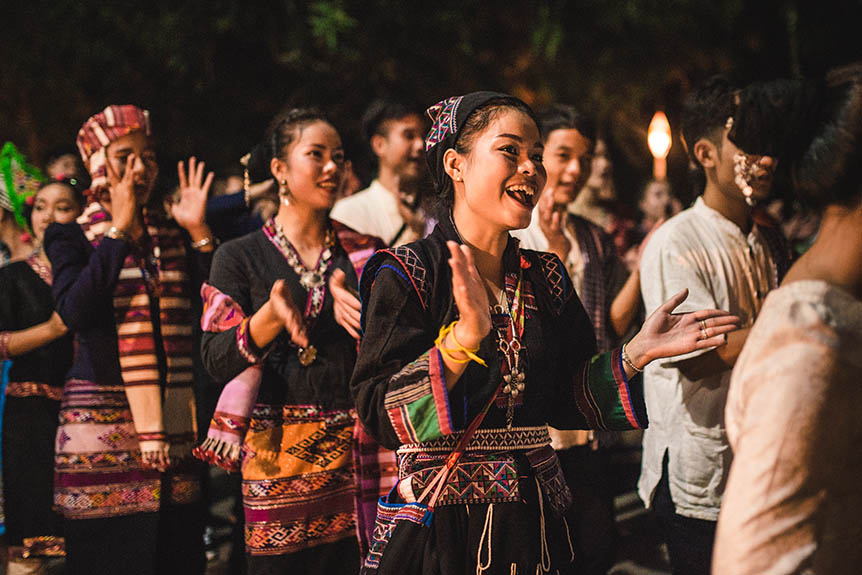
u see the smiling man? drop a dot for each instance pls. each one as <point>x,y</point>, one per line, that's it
<point>716,251</point>
<point>389,207</point>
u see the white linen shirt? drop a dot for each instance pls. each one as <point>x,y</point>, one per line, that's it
<point>373,211</point>
<point>722,268</point>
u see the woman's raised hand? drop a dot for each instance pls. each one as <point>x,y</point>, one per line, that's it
<point>345,305</point>
<point>189,210</point>
<point>287,313</point>
<point>471,298</point>
<point>666,334</point>
<point>124,206</point>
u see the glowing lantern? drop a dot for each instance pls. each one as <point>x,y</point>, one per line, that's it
<point>659,140</point>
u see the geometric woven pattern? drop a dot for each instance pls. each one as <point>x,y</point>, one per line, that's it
<point>289,537</point>
<point>553,269</point>
<point>415,271</point>
<point>472,482</point>
<point>442,115</point>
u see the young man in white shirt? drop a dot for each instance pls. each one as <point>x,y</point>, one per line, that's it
<point>716,251</point>
<point>389,207</point>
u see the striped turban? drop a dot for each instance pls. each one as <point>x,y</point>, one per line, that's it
<point>109,125</point>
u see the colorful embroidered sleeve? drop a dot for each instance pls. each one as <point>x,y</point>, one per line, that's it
<point>608,399</point>
<point>591,390</point>
<point>398,384</point>
<point>418,404</point>
<point>226,345</point>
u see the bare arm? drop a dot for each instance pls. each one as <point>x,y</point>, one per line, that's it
<point>624,308</point>
<point>26,340</point>
<point>720,359</point>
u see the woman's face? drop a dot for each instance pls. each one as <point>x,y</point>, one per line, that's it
<point>53,203</point>
<point>568,160</point>
<point>145,168</point>
<point>313,167</point>
<point>602,172</point>
<point>502,175</point>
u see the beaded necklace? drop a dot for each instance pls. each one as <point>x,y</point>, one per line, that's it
<point>312,280</point>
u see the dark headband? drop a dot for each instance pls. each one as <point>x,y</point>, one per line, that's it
<point>448,118</point>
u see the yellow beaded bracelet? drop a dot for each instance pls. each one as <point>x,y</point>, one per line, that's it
<point>470,353</point>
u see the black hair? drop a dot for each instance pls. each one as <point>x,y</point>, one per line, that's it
<point>829,169</point>
<point>705,114</point>
<point>814,128</point>
<point>73,183</point>
<point>380,112</point>
<point>478,120</point>
<point>565,117</point>
<point>283,130</point>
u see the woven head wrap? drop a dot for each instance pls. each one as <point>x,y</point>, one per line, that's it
<point>448,118</point>
<point>107,126</point>
<point>18,181</point>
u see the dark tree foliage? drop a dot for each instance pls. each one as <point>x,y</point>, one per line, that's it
<point>213,73</point>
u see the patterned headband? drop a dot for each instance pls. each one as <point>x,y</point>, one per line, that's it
<point>448,117</point>
<point>100,130</point>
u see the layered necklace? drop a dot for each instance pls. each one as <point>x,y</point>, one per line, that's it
<point>507,320</point>
<point>312,280</point>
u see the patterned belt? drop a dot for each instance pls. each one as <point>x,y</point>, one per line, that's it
<point>33,389</point>
<point>500,439</point>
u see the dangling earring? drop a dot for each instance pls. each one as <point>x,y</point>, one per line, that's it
<point>284,193</point>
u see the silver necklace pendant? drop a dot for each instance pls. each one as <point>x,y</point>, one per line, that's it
<point>310,279</point>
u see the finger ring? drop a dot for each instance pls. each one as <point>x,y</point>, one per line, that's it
<point>703,334</point>
<point>703,325</point>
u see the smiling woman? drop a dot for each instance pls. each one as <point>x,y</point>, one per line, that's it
<point>472,346</point>
<point>271,337</point>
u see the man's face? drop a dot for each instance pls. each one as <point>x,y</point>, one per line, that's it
<point>568,161</point>
<point>400,147</point>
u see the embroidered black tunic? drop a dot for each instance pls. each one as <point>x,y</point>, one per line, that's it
<point>490,513</point>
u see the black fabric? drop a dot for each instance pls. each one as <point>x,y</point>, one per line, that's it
<point>245,269</point>
<point>448,128</point>
<point>335,558</point>
<point>591,518</point>
<point>25,301</point>
<point>30,423</point>
<point>689,541</point>
<point>125,544</point>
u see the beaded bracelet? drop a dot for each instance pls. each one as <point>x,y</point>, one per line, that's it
<point>627,360</point>
<point>447,352</point>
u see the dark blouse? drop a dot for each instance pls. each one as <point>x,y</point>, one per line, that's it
<point>245,269</point>
<point>398,383</point>
<point>84,282</point>
<point>25,302</point>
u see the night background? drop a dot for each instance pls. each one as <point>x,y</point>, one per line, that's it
<point>214,73</point>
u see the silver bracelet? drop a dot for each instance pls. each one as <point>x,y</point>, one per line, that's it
<point>117,234</point>
<point>627,360</point>
<point>202,243</point>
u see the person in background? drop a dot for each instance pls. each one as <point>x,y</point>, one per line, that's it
<point>793,495</point>
<point>390,208</point>
<point>18,181</point>
<point>611,301</point>
<point>270,335</point>
<point>65,161</point>
<point>125,481</point>
<point>33,335</point>
<point>717,251</point>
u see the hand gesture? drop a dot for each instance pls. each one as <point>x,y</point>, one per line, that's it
<point>345,305</point>
<point>154,454</point>
<point>471,298</point>
<point>666,334</point>
<point>287,313</point>
<point>551,223</point>
<point>124,204</point>
<point>190,209</point>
